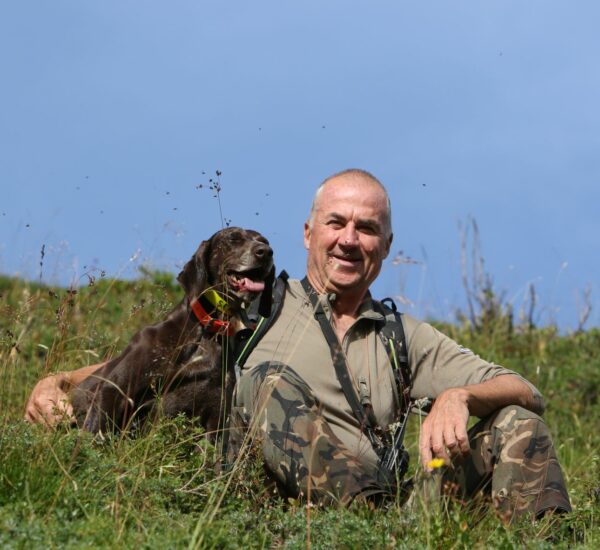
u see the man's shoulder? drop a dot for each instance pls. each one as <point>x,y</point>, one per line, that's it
<point>410,323</point>
<point>419,334</point>
<point>293,295</point>
<point>292,300</point>
<point>294,286</point>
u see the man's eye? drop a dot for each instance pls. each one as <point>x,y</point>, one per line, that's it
<point>335,224</point>
<point>368,229</point>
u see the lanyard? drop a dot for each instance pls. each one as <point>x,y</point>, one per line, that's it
<point>363,413</point>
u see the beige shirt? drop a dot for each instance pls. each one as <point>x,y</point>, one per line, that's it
<point>436,363</point>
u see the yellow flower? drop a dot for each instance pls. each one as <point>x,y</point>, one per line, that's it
<point>435,463</point>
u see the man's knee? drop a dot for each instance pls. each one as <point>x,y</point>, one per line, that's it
<point>504,443</point>
<point>528,476</point>
<point>506,417</point>
<point>266,401</point>
<point>300,450</point>
<point>519,434</point>
<point>272,380</point>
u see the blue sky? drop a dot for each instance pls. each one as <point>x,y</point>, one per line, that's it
<point>114,112</point>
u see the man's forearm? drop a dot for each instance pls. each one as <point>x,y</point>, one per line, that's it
<point>483,399</point>
<point>75,377</point>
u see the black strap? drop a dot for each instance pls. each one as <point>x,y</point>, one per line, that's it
<point>246,339</point>
<point>262,323</point>
<point>393,332</point>
<point>365,416</point>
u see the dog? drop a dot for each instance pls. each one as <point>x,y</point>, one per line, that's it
<point>185,363</point>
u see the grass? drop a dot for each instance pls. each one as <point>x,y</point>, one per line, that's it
<point>160,489</point>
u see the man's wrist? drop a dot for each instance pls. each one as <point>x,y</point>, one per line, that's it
<point>461,394</point>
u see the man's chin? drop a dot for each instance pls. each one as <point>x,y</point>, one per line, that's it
<point>345,281</point>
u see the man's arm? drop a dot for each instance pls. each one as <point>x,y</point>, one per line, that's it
<point>444,431</point>
<point>49,403</point>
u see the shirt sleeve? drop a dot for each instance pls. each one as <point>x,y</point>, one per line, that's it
<point>438,363</point>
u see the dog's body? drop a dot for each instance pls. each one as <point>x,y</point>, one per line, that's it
<point>178,365</point>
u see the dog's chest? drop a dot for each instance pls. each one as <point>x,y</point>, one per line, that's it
<point>207,355</point>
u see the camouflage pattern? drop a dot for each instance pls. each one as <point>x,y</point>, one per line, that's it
<point>277,411</point>
<point>513,461</point>
<point>512,456</point>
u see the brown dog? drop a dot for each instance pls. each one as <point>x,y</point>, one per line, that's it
<point>179,365</point>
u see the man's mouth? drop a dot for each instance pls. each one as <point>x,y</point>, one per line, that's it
<point>251,280</point>
<point>345,260</point>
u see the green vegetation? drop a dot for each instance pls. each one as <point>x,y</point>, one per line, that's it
<point>160,489</point>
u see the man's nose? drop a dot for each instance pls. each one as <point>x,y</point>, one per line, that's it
<point>349,236</point>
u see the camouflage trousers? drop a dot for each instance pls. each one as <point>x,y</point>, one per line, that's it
<point>514,462</point>
<point>512,457</point>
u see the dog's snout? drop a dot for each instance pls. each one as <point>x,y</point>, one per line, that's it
<point>263,251</point>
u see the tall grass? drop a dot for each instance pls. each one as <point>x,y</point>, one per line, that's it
<point>160,489</point>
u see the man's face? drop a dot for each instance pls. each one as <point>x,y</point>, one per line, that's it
<point>348,240</point>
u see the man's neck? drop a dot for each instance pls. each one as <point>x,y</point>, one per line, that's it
<point>346,305</point>
<point>345,308</point>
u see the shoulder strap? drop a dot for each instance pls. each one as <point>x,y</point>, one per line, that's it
<point>363,413</point>
<point>262,323</point>
<point>393,336</point>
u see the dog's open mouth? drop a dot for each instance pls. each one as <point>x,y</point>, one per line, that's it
<point>251,280</point>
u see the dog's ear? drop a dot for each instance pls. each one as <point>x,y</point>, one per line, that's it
<point>194,275</point>
<point>266,297</point>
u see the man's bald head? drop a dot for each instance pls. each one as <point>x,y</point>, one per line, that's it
<point>360,176</point>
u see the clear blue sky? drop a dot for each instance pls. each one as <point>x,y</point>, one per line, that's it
<point>112,112</point>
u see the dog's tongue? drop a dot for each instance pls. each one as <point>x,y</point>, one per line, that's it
<point>251,286</point>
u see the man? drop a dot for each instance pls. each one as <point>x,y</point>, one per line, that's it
<point>290,402</point>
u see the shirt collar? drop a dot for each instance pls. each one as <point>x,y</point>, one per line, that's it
<point>366,310</point>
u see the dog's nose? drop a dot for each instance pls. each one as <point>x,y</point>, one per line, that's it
<point>263,251</point>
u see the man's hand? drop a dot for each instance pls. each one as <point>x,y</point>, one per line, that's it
<point>444,431</point>
<point>49,403</point>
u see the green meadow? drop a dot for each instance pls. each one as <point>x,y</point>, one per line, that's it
<point>161,488</point>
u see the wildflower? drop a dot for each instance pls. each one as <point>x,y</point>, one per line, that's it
<point>435,463</point>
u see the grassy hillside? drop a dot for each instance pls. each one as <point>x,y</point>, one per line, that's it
<point>160,490</point>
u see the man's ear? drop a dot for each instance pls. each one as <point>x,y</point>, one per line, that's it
<point>194,275</point>
<point>388,245</point>
<point>307,234</point>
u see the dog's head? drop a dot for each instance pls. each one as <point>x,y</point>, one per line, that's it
<point>237,263</point>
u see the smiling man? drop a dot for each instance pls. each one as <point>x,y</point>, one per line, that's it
<point>292,401</point>
<point>320,391</point>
